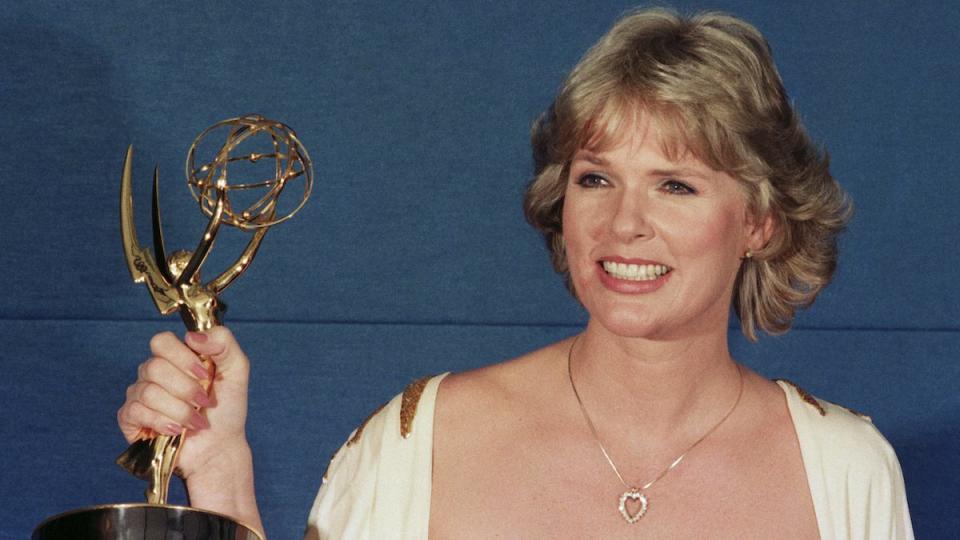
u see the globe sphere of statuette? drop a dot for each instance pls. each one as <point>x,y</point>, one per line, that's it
<point>249,162</point>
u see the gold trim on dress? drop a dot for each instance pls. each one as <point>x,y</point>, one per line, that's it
<point>806,396</point>
<point>356,435</point>
<point>326,473</point>
<point>408,411</point>
<point>408,406</point>
<point>860,414</point>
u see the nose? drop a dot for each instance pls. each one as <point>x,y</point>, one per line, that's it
<point>630,218</point>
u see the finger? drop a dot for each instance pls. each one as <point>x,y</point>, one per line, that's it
<point>163,372</point>
<point>134,417</point>
<point>220,346</point>
<point>168,345</point>
<point>156,399</point>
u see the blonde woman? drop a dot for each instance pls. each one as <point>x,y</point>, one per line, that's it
<point>673,182</point>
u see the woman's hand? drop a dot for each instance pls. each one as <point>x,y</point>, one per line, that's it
<point>170,388</point>
<point>215,459</point>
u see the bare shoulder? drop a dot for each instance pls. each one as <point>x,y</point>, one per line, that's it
<point>762,466</point>
<point>494,406</point>
<point>500,397</point>
<point>489,426</point>
<point>766,415</point>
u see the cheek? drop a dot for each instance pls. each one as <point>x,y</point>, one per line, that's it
<point>717,235</point>
<point>577,231</point>
<point>576,238</point>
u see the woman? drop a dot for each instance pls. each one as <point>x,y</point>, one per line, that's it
<point>673,179</point>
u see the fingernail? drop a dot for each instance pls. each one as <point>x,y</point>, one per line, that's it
<point>202,399</point>
<point>173,429</point>
<point>200,371</point>
<point>198,422</point>
<point>197,337</point>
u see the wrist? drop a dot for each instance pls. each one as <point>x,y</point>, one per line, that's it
<point>225,485</point>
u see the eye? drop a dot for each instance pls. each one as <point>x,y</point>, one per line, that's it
<point>591,180</point>
<point>676,187</point>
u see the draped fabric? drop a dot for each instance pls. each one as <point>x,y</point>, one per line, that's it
<point>379,486</point>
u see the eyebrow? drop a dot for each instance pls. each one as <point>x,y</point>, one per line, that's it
<point>680,171</point>
<point>586,155</point>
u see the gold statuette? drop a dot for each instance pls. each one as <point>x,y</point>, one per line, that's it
<point>174,282</point>
<point>269,160</point>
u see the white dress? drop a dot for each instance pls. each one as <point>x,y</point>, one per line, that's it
<point>378,484</point>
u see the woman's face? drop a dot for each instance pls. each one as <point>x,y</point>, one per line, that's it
<point>654,244</point>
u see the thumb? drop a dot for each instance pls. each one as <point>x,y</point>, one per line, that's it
<point>219,345</point>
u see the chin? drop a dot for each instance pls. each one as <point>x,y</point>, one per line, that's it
<point>628,324</point>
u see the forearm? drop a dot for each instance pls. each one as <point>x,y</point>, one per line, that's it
<point>227,487</point>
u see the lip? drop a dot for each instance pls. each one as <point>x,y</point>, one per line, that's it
<point>624,260</point>
<point>624,286</point>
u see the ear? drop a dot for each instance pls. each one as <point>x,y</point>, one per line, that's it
<point>759,230</point>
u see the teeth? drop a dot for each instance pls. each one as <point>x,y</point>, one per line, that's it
<point>635,272</point>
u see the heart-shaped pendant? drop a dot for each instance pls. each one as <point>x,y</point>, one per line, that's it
<point>633,495</point>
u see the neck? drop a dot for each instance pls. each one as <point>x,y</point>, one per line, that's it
<point>654,390</point>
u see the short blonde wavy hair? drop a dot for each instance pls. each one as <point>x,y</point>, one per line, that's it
<point>712,81</point>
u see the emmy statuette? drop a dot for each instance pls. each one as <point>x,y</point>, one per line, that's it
<point>174,284</point>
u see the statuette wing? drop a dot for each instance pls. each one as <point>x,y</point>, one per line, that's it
<point>143,268</point>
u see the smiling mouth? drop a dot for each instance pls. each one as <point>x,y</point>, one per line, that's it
<point>635,272</point>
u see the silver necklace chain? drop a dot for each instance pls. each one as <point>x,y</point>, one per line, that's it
<point>635,493</point>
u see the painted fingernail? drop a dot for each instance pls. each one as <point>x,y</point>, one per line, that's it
<point>173,429</point>
<point>198,422</point>
<point>200,372</point>
<point>202,399</point>
<point>197,337</point>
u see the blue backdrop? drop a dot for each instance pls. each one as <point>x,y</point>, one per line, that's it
<point>413,256</point>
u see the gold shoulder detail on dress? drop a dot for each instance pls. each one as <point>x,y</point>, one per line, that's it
<point>353,440</point>
<point>326,473</point>
<point>408,407</point>
<point>860,414</point>
<point>356,435</point>
<point>804,395</point>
